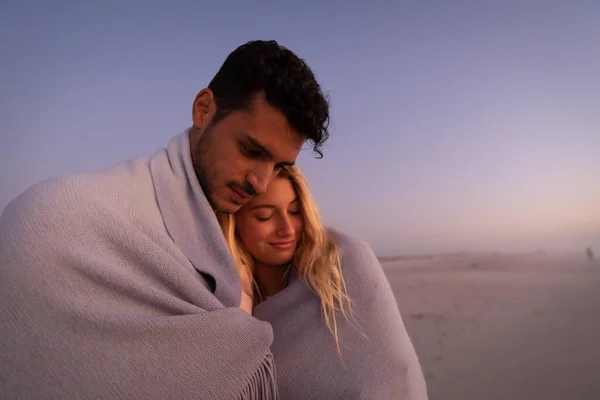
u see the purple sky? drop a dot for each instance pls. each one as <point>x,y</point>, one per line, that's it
<point>460,125</point>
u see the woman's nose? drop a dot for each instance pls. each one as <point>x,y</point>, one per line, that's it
<point>285,227</point>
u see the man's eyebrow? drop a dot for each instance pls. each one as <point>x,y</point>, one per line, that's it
<point>258,146</point>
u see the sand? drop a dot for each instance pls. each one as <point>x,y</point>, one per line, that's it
<point>498,326</point>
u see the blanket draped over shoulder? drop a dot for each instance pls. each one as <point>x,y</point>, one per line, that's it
<point>119,284</point>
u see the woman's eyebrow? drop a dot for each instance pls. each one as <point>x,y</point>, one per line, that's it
<point>263,206</point>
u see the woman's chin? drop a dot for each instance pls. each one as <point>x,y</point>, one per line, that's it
<point>278,262</point>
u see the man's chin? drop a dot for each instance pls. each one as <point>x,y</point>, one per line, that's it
<point>227,207</point>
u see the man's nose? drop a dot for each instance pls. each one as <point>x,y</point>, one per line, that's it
<point>260,178</point>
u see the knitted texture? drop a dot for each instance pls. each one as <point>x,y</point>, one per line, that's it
<point>118,284</point>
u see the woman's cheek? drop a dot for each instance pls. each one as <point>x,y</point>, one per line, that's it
<point>299,225</point>
<point>264,231</point>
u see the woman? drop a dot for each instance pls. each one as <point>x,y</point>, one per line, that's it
<point>301,278</point>
<point>279,235</point>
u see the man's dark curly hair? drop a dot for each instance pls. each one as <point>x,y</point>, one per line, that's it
<point>287,81</point>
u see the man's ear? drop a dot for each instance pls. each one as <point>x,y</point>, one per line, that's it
<point>204,108</point>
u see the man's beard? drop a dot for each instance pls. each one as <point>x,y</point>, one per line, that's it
<point>202,160</point>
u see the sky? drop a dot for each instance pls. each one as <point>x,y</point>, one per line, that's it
<point>456,125</point>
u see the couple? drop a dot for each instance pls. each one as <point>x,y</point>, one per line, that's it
<point>202,271</point>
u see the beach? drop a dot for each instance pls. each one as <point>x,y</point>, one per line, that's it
<point>503,326</point>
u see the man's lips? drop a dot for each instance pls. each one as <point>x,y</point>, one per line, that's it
<point>240,193</point>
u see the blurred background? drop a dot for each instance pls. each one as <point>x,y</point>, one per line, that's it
<point>468,128</point>
<point>455,125</point>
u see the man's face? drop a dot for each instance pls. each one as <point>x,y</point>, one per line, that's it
<point>236,158</point>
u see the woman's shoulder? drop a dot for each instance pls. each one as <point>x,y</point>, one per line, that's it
<point>388,346</point>
<point>351,247</point>
<point>360,266</point>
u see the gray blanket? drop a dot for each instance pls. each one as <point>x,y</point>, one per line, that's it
<point>118,284</point>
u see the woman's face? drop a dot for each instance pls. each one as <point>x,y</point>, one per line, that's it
<point>269,226</point>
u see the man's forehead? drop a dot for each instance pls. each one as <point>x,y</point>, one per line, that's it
<point>279,144</point>
<point>276,138</point>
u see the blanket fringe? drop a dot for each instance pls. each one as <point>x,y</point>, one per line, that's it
<point>263,384</point>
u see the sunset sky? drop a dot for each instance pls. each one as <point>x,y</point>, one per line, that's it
<point>455,125</point>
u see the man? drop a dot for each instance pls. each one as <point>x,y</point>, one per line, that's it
<point>118,284</point>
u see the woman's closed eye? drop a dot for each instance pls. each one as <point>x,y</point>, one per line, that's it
<point>262,217</point>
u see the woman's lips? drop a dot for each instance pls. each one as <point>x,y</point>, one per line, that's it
<point>283,245</point>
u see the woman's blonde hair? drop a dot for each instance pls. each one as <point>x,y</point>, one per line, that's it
<point>316,259</point>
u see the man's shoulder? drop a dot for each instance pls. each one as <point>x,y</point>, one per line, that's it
<point>64,198</point>
<point>48,202</point>
<point>49,194</point>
